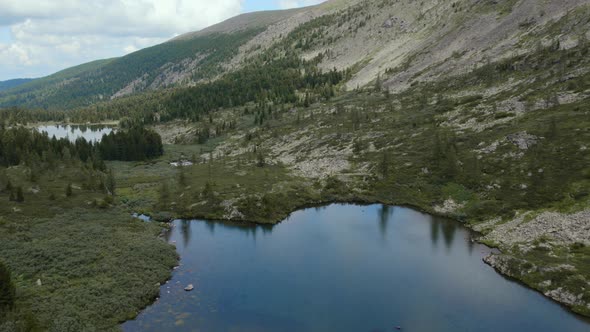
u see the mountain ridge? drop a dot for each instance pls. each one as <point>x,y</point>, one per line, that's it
<point>9,84</point>
<point>176,67</point>
<point>399,40</point>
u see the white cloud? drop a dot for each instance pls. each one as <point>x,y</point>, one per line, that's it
<point>285,4</point>
<point>48,35</point>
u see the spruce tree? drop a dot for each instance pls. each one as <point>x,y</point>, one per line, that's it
<point>7,290</point>
<point>20,197</point>
<point>110,182</point>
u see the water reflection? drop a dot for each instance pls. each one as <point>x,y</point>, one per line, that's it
<point>211,226</point>
<point>91,133</point>
<point>448,229</point>
<point>434,231</point>
<point>185,230</point>
<point>342,268</point>
<point>385,212</point>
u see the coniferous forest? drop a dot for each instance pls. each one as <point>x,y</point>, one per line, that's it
<point>22,145</point>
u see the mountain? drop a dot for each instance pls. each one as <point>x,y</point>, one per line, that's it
<point>5,85</point>
<point>182,61</point>
<point>405,41</point>
<point>477,110</point>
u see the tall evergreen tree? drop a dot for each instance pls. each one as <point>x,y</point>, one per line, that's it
<point>7,290</point>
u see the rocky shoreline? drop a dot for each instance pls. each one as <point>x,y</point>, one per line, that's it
<point>532,251</point>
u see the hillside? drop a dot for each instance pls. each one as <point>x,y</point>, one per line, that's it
<point>473,110</point>
<point>182,61</point>
<point>404,41</point>
<point>5,85</point>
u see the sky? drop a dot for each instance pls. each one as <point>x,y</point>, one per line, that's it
<point>40,37</point>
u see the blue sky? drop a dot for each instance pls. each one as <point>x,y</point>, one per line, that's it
<point>38,38</point>
<point>5,35</point>
<point>256,5</point>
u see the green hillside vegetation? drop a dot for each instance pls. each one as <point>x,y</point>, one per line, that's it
<point>5,85</point>
<point>485,144</point>
<point>17,95</point>
<point>76,258</point>
<point>99,80</point>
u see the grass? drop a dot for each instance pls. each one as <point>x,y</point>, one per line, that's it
<point>96,266</point>
<point>140,185</point>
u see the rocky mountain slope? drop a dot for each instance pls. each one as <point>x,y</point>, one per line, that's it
<point>403,41</point>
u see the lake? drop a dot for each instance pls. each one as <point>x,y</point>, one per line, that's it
<point>343,268</point>
<point>92,133</point>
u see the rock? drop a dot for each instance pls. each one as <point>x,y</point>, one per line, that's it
<point>545,283</point>
<point>189,288</point>
<point>522,140</point>
<point>181,163</point>
<point>449,206</point>
<point>560,228</point>
<point>231,210</point>
<point>488,149</point>
<point>563,296</point>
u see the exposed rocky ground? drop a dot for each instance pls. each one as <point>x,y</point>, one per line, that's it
<point>554,227</point>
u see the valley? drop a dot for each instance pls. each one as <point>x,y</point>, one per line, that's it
<point>476,111</point>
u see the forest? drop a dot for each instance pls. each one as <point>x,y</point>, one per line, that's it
<point>134,144</point>
<point>22,145</point>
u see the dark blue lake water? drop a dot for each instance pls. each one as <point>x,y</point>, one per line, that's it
<point>343,268</point>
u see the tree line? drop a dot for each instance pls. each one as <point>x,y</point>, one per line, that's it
<point>22,145</point>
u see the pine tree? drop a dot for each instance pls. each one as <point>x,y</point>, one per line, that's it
<point>20,197</point>
<point>378,83</point>
<point>111,182</point>
<point>260,160</point>
<point>7,289</point>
